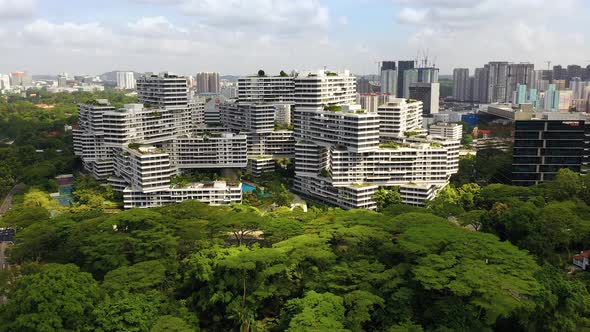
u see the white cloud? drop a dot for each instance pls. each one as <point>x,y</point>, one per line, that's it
<point>68,34</point>
<point>280,16</point>
<point>343,20</point>
<point>473,32</point>
<point>12,9</point>
<point>157,26</point>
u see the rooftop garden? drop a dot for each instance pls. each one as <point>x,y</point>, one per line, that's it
<point>331,73</point>
<point>389,145</point>
<point>283,126</point>
<point>411,100</point>
<point>435,145</point>
<point>410,133</point>
<point>333,108</point>
<point>134,146</point>
<point>361,185</point>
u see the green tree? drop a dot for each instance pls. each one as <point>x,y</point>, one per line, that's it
<point>127,312</point>
<point>385,197</point>
<point>316,312</point>
<point>171,324</point>
<point>566,185</point>
<point>59,298</point>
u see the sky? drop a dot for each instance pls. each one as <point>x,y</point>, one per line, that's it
<point>241,36</point>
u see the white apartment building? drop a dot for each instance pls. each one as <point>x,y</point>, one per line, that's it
<point>278,143</point>
<point>321,88</point>
<point>144,168</point>
<point>125,80</point>
<point>283,114</point>
<point>338,156</point>
<point>260,165</point>
<point>449,130</point>
<point>339,160</point>
<point>212,193</point>
<point>140,146</point>
<point>399,116</point>
<point>143,174</point>
<point>253,117</point>
<point>210,150</point>
<point>268,89</point>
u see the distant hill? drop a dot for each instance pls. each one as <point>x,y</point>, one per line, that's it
<point>44,77</point>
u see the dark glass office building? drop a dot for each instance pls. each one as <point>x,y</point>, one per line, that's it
<point>543,147</point>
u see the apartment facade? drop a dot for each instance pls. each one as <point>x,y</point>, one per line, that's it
<point>542,147</point>
<point>141,146</point>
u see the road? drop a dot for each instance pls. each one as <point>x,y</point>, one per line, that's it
<point>7,203</point>
<point>3,261</point>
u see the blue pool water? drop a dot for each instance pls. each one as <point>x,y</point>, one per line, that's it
<point>247,188</point>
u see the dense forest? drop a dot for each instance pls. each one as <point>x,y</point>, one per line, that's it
<point>483,256</point>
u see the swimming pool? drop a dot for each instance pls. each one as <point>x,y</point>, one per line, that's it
<point>247,188</point>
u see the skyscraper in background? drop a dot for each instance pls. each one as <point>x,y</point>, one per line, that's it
<point>551,99</point>
<point>497,82</point>
<point>428,75</point>
<point>4,82</point>
<point>388,65</point>
<point>461,84</point>
<point>519,73</point>
<point>21,78</point>
<point>214,82</point>
<point>125,80</point>
<point>480,85</point>
<point>410,76</point>
<point>208,82</point>
<point>428,94</point>
<point>402,66</point>
<point>389,78</point>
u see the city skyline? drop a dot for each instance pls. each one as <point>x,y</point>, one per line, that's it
<point>188,36</point>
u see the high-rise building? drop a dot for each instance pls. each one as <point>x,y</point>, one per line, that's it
<point>137,148</point>
<point>480,85</point>
<point>363,85</point>
<point>21,78</point>
<point>497,82</point>
<point>551,99</point>
<point>388,65</point>
<point>565,100</point>
<point>544,146</point>
<point>410,77</point>
<point>4,82</point>
<point>427,75</point>
<point>338,157</point>
<point>428,94</point>
<point>574,71</point>
<point>266,88</point>
<point>559,73</point>
<point>125,80</point>
<point>521,94</point>
<point>62,81</point>
<point>577,86</point>
<point>461,84</point>
<point>402,66</point>
<point>519,73</point>
<point>560,84</point>
<point>207,82</point>
<point>388,82</point>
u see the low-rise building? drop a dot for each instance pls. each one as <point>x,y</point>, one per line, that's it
<point>448,130</point>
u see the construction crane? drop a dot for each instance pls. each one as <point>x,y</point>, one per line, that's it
<point>548,64</point>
